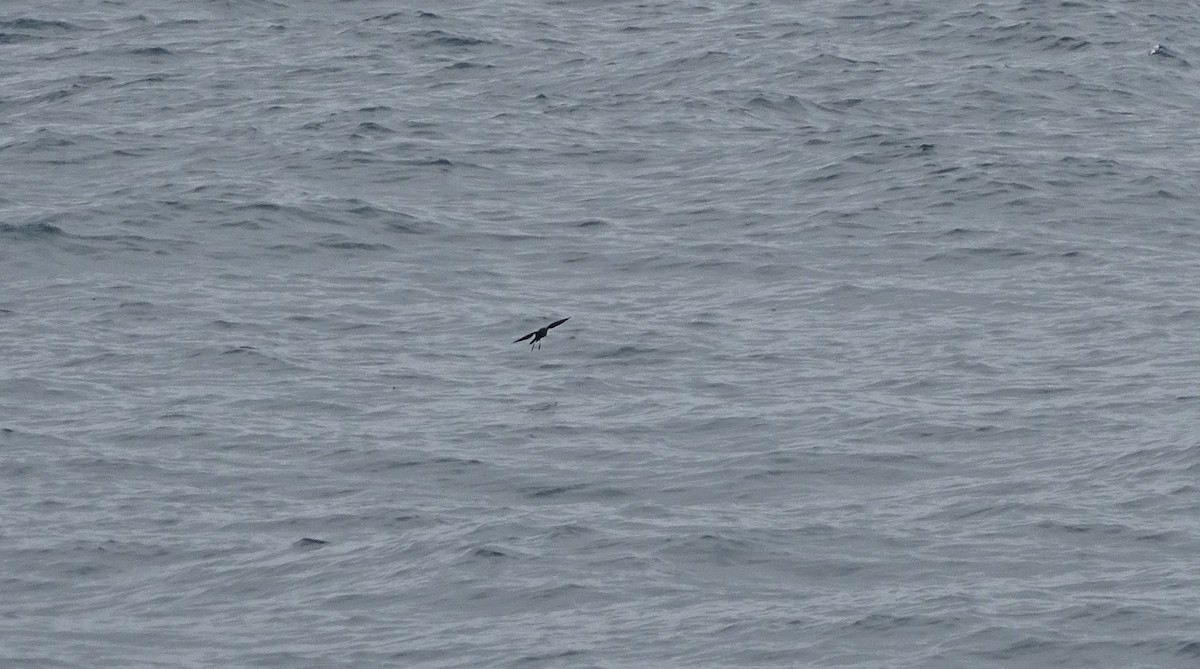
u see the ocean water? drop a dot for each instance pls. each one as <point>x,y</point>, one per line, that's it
<point>883,346</point>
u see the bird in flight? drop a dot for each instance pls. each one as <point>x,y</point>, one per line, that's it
<point>538,335</point>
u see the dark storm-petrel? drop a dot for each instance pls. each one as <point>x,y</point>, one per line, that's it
<point>538,335</point>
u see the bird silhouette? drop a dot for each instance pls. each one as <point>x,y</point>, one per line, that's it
<point>538,335</point>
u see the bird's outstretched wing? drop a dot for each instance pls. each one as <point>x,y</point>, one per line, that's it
<point>558,323</point>
<point>525,337</point>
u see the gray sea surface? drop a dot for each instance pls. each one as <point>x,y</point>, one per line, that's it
<point>883,350</point>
